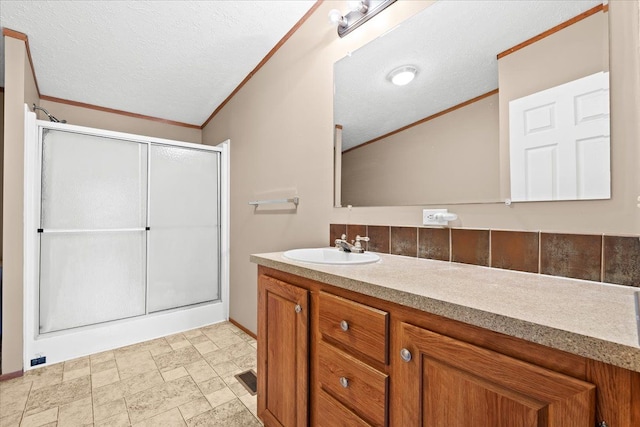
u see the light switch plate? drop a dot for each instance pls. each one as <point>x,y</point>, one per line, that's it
<point>428,217</point>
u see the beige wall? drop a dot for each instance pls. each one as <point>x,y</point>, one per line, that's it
<point>576,51</point>
<point>20,88</point>
<point>451,159</point>
<point>120,123</point>
<point>281,131</point>
<point>1,163</point>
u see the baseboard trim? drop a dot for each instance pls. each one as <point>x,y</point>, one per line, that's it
<point>11,375</point>
<point>242,328</point>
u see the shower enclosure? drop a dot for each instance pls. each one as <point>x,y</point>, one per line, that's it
<point>124,239</point>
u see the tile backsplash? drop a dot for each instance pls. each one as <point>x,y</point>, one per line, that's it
<point>611,259</point>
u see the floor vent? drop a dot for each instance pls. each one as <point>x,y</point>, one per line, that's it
<point>248,380</point>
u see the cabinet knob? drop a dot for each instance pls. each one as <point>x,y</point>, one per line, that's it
<point>344,382</point>
<point>344,325</point>
<point>405,354</point>
<point>603,424</point>
<point>298,308</point>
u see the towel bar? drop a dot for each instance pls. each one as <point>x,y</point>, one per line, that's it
<point>294,200</point>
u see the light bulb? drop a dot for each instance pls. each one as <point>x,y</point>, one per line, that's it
<point>357,6</point>
<point>336,18</point>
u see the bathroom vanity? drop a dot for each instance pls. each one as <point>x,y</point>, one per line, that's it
<point>407,342</point>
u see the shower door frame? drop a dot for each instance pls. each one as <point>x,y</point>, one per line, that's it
<point>71,343</point>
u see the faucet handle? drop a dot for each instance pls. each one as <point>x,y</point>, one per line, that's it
<point>343,237</point>
<point>360,239</point>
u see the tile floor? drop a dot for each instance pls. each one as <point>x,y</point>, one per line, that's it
<point>185,379</point>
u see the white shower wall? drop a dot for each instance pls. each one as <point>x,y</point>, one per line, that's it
<point>124,239</point>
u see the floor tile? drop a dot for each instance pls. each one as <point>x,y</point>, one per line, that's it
<point>161,398</point>
<point>77,413</point>
<point>14,398</point>
<point>120,420</point>
<point>171,418</point>
<point>126,387</point>
<point>225,368</point>
<point>57,395</point>
<point>72,365</point>
<point>11,420</point>
<point>40,418</point>
<point>103,366</point>
<point>205,347</point>
<point>227,340</point>
<point>180,357</point>
<point>218,356</point>
<point>45,376</point>
<point>177,341</point>
<point>195,407</point>
<point>251,402</point>
<point>76,373</point>
<point>109,410</point>
<point>248,361</point>
<point>101,357</point>
<point>192,334</point>
<point>200,371</point>
<point>197,339</point>
<point>212,385</point>
<point>159,347</point>
<point>230,414</point>
<point>105,377</point>
<point>134,364</point>
<point>238,389</point>
<point>174,373</point>
<point>219,397</point>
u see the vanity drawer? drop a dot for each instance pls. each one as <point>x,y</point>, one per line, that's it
<point>355,384</point>
<point>355,325</point>
<point>331,412</point>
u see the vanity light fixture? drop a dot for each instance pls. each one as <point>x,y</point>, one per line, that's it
<point>402,75</point>
<point>360,11</point>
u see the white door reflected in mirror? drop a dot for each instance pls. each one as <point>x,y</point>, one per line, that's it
<point>559,142</point>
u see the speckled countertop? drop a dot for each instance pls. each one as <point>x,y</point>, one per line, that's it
<point>591,319</point>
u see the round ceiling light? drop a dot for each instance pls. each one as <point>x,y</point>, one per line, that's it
<point>402,75</point>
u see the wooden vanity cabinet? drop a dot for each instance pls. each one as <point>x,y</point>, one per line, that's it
<point>283,353</point>
<point>456,375</point>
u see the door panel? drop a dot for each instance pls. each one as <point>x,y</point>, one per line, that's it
<point>92,241</point>
<point>283,358</point>
<point>184,221</point>
<point>453,383</point>
<point>559,142</point>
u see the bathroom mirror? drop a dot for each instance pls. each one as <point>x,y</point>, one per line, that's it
<point>445,137</point>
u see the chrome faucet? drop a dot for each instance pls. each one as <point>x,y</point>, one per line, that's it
<point>355,247</point>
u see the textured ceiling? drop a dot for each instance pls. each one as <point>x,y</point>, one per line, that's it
<point>176,60</point>
<point>454,46</point>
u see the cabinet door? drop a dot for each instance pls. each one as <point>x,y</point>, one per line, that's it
<point>448,382</point>
<point>283,357</point>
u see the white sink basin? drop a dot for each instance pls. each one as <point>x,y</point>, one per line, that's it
<point>330,256</point>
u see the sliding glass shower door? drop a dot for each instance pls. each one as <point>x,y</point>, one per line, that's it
<point>184,235</point>
<point>92,230</point>
<point>127,228</point>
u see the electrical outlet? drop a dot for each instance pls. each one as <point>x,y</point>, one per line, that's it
<point>428,217</point>
<point>38,361</point>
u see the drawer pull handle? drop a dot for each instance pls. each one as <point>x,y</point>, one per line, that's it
<point>405,354</point>
<point>344,325</point>
<point>298,308</point>
<point>344,382</point>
